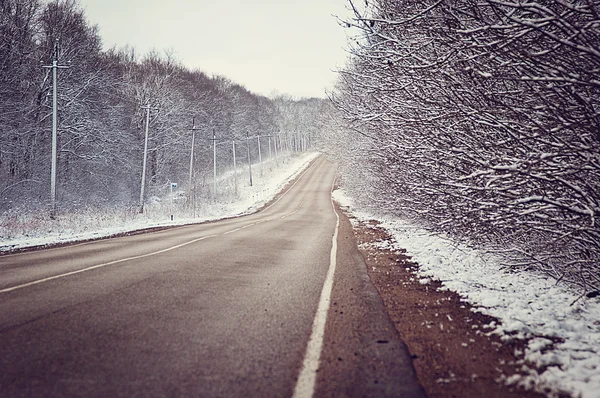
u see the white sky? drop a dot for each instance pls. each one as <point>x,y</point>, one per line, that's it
<point>284,46</point>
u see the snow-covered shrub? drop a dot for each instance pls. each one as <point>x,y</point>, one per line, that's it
<point>480,119</point>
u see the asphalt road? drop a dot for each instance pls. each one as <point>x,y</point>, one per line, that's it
<point>224,309</point>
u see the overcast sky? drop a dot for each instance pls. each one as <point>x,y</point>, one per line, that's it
<point>285,46</point>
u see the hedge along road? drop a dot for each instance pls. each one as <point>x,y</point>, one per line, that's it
<point>232,308</point>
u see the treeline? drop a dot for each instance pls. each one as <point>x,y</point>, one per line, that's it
<point>101,100</point>
<point>481,119</point>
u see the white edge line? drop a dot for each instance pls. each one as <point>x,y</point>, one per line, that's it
<point>10,289</point>
<point>305,386</point>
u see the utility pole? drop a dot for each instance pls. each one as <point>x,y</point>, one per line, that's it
<point>249,160</point>
<point>260,156</point>
<point>235,169</point>
<point>55,66</point>
<point>286,142</point>
<point>192,160</point>
<point>214,140</point>
<point>147,108</point>
<point>270,154</point>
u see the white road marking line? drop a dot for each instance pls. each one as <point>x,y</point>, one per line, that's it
<point>235,230</point>
<point>10,289</point>
<point>305,386</point>
<point>244,227</point>
<point>290,188</point>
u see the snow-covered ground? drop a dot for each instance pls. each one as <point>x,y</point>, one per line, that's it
<point>33,230</point>
<point>528,306</point>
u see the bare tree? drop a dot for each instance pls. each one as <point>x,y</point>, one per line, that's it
<point>480,119</point>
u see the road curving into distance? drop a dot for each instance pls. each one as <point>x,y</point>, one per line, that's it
<point>222,309</point>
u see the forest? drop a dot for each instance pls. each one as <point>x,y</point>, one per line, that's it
<point>480,120</point>
<point>102,98</point>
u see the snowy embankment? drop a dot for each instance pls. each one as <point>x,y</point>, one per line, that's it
<point>528,306</point>
<point>35,230</point>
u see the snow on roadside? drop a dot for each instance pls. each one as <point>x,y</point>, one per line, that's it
<point>72,228</point>
<point>528,306</point>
